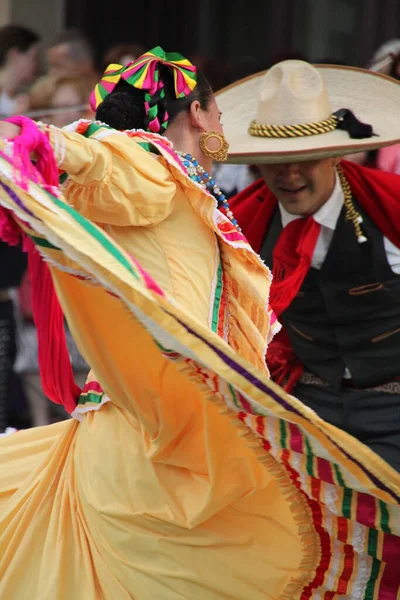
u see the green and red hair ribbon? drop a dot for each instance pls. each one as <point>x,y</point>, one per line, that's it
<point>144,74</point>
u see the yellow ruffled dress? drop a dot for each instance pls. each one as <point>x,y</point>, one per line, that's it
<point>185,473</point>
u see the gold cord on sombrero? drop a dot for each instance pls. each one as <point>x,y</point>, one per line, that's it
<point>351,213</point>
<point>291,131</point>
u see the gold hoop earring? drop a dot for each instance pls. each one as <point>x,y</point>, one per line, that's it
<point>214,145</point>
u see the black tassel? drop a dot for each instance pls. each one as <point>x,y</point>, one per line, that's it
<point>349,122</point>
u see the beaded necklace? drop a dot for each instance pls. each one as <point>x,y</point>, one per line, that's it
<point>205,180</point>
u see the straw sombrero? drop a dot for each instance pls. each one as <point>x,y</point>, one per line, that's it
<point>288,113</point>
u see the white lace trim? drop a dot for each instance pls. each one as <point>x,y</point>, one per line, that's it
<point>83,408</point>
<point>359,537</point>
<point>363,576</point>
<point>336,560</point>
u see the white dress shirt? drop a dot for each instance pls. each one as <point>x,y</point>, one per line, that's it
<point>327,216</point>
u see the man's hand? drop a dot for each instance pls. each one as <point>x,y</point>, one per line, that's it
<point>8,130</point>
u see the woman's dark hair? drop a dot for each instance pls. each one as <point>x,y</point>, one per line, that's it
<point>13,36</point>
<point>124,107</point>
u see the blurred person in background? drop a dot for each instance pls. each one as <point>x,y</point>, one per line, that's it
<point>60,100</point>
<point>19,59</point>
<point>72,97</point>
<point>122,54</point>
<point>19,52</point>
<point>386,60</point>
<point>72,55</point>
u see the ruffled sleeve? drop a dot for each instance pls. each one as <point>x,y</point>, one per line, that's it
<point>112,180</point>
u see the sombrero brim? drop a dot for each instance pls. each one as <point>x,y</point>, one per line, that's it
<point>374,98</point>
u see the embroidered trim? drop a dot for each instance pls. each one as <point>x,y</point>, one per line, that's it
<point>82,409</point>
<point>214,283</point>
<point>219,313</point>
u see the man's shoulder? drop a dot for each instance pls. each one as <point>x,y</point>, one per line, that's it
<point>253,194</point>
<point>367,173</point>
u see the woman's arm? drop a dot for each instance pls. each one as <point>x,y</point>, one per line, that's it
<point>114,181</point>
<point>111,180</point>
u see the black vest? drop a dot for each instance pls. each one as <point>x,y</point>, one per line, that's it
<point>347,314</point>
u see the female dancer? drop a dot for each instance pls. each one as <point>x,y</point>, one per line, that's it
<point>149,492</point>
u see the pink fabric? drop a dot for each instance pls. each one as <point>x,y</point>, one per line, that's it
<point>31,139</point>
<point>10,232</point>
<point>54,361</point>
<point>389,159</point>
<point>292,257</point>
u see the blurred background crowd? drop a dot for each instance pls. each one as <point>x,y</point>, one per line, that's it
<point>52,56</point>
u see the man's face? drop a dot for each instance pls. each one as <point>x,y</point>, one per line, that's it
<point>59,62</point>
<point>64,97</point>
<point>26,63</point>
<point>301,187</point>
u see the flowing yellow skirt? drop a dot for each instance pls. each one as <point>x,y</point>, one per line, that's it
<point>185,473</point>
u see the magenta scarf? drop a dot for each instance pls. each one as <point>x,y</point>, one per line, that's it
<point>54,361</point>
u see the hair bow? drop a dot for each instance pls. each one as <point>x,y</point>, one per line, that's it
<point>111,76</point>
<point>144,75</point>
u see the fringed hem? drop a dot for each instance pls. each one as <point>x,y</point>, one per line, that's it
<point>298,503</point>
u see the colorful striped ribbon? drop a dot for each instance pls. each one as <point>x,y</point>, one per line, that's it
<point>144,74</point>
